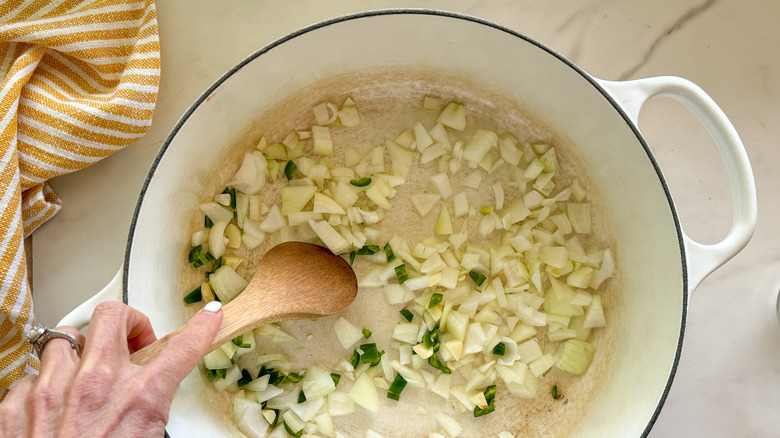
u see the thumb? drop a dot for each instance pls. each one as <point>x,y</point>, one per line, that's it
<point>186,348</point>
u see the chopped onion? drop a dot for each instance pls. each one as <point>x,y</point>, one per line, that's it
<point>339,404</point>
<point>308,409</point>
<point>216,212</point>
<point>325,204</point>
<point>453,116</point>
<point>479,144</point>
<point>576,356</point>
<point>443,225</point>
<point>476,310</point>
<point>252,423</point>
<point>421,137</point>
<point>347,333</point>
<point>323,144</point>
<point>594,316</point>
<point>450,426</point>
<point>227,283</point>
<point>330,237</point>
<point>295,198</point>
<point>217,360</point>
<point>441,182</point>
<point>364,393</point>
<point>424,203</point>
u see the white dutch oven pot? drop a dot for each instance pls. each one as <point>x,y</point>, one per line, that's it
<point>660,265</point>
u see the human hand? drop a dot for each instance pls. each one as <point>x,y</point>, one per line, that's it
<point>102,393</point>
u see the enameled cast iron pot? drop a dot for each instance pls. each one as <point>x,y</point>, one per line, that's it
<point>659,264</point>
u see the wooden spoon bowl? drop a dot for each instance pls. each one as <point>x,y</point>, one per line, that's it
<point>295,280</point>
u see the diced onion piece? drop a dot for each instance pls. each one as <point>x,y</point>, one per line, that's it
<point>424,203</point>
<point>460,204</point>
<point>350,117</point>
<point>295,198</point>
<point>406,332</point>
<point>529,351</point>
<point>576,356</point>
<point>259,384</point>
<point>347,333</point>
<point>455,348</point>
<point>325,204</point>
<point>325,113</point>
<point>606,270</point>
<point>450,426</point>
<point>199,237</point>
<point>401,159</point>
<point>394,293</point>
<point>378,194</point>
<point>216,212</point>
<point>443,225</point>
<point>413,378</point>
<point>252,236</point>
<point>274,221</point>
<point>498,191</point>
<point>442,183</point>
<point>292,421</point>
<point>339,404</point>
<point>509,151</point>
<point>442,385</point>
<point>217,239</point>
<point>432,153</point>
<point>594,316</point>
<point>324,424</point>
<point>453,116</point>
<point>364,393</point>
<point>580,278</point>
<point>555,256</point>
<point>251,176</point>
<point>323,144</point>
<point>252,423</point>
<point>479,145</point>
<point>423,352</point>
<point>227,283</point>
<point>542,365</point>
<point>217,360</point>
<point>308,410</point>
<point>525,388</point>
<point>517,211</point>
<point>222,199</point>
<point>330,237</point>
<point>457,324</point>
<point>421,137</point>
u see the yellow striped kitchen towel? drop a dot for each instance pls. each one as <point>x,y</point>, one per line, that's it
<point>79,81</point>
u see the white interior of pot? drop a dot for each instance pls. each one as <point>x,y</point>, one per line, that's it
<point>640,217</point>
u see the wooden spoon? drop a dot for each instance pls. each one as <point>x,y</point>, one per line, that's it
<point>295,280</point>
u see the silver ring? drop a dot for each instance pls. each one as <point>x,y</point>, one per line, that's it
<point>40,335</point>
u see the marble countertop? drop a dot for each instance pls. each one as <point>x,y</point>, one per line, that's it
<point>729,375</point>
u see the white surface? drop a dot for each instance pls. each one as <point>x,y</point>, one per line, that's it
<point>728,377</point>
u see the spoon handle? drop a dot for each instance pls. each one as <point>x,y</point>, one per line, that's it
<point>234,322</point>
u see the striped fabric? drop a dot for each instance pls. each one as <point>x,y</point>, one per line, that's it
<point>78,81</point>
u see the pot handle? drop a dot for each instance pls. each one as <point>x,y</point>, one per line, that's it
<point>80,316</point>
<point>702,258</point>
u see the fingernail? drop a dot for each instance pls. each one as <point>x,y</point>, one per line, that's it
<point>213,307</point>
